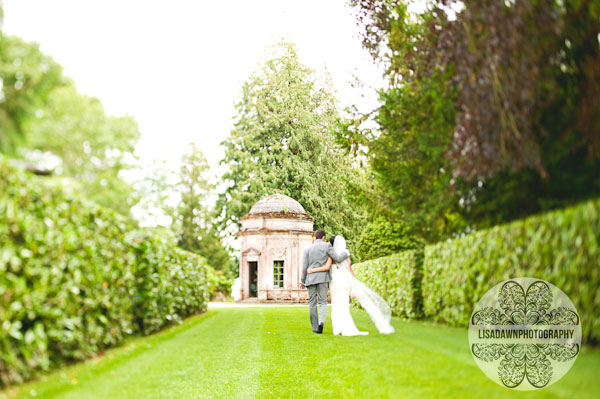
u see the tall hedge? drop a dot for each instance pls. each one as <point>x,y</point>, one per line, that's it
<point>397,278</point>
<point>562,247</point>
<point>76,278</point>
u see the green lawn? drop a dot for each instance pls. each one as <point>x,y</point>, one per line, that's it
<point>272,353</point>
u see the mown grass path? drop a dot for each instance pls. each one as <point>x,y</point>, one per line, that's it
<point>270,352</point>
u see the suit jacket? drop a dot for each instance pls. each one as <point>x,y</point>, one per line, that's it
<point>316,256</point>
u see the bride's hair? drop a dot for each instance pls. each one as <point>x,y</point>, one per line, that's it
<point>331,239</point>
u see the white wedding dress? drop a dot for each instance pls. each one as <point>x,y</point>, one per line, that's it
<point>342,283</point>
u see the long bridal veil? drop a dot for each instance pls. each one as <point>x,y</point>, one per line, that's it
<point>375,305</point>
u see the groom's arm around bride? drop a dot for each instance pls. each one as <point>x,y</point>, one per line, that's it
<point>317,283</point>
<point>316,256</point>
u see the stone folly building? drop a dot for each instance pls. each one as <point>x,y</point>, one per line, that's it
<point>273,236</point>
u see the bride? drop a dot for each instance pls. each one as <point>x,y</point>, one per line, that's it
<point>342,284</point>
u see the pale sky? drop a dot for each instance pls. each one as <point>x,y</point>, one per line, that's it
<point>177,66</point>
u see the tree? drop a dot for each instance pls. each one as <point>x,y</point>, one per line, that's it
<point>282,142</point>
<point>411,176</point>
<point>193,188</point>
<point>40,109</point>
<point>192,217</point>
<point>489,115</point>
<point>27,77</point>
<point>217,254</point>
<point>94,148</point>
<point>157,193</point>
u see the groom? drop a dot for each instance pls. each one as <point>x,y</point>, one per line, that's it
<point>317,283</point>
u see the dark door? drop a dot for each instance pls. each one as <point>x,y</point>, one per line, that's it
<point>252,266</point>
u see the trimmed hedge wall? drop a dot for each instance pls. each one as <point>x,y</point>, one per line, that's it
<point>397,278</point>
<point>76,278</point>
<point>561,247</point>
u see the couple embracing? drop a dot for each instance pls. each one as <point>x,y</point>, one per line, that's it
<point>327,265</point>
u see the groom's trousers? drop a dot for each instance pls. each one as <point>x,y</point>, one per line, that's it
<point>317,292</point>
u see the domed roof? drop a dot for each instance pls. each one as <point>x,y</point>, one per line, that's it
<point>277,203</point>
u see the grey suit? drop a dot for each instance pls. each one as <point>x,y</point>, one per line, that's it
<point>317,283</point>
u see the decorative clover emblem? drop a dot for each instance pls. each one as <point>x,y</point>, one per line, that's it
<point>525,360</point>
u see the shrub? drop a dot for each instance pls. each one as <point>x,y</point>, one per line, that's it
<point>561,247</point>
<point>219,284</point>
<point>397,278</point>
<point>382,238</point>
<point>76,278</point>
